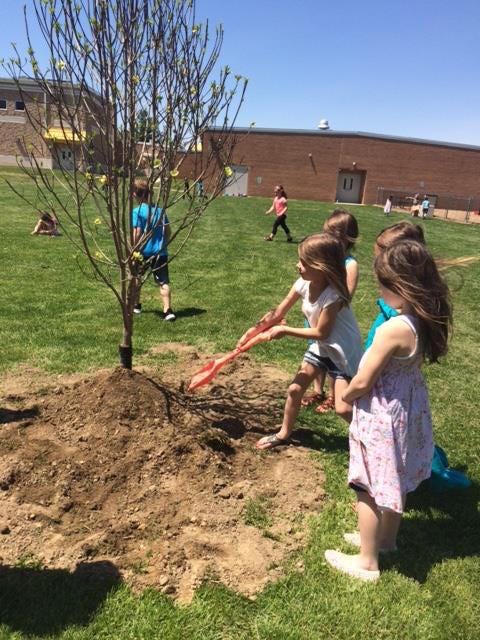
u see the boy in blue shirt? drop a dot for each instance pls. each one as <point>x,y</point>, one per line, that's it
<point>153,221</point>
<point>425,206</point>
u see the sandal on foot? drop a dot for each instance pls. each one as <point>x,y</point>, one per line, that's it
<point>268,238</point>
<point>312,398</point>
<point>327,405</point>
<point>343,562</point>
<point>270,442</point>
<point>353,538</point>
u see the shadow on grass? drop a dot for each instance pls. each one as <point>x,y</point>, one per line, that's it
<point>189,312</point>
<point>446,527</point>
<point>41,602</point>
<point>17,415</point>
<point>319,441</point>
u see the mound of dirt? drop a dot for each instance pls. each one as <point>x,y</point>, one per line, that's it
<point>123,467</point>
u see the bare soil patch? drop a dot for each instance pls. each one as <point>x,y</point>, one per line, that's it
<point>125,466</point>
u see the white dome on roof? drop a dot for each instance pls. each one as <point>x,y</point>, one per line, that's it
<point>323,124</point>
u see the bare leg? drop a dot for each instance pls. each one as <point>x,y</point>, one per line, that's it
<point>331,387</point>
<point>389,525</point>
<point>363,565</point>
<point>328,403</point>
<point>369,525</point>
<point>319,382</point>
<point>296,391</point>
<point>342,408</point>
<point>165,296</point>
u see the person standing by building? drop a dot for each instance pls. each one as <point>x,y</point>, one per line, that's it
<point>387,209</point>
<point>151,222</point>
<point>186,188</point>
<point>280,206</point>
<point>200,190</point>
<point>425,206</point>
<point>415,205</point>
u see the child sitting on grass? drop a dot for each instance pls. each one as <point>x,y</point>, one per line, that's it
<point>47,225</point>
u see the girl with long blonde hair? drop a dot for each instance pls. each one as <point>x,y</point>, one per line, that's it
<point>344,226</point>
<point>336,342</point>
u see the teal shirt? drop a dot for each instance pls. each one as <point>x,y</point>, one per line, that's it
<point>386,312</point>
<point>140,219</point>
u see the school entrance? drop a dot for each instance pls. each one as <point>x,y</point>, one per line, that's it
<point>350,186</point>
<point>237,184</point>
<point>63,158</point>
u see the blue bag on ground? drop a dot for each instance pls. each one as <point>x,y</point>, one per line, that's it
<point>443,478</point>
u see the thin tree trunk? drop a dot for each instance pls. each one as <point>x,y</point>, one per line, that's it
<point>125,350</point>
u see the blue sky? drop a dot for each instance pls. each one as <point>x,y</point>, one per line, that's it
<point>397,67</point>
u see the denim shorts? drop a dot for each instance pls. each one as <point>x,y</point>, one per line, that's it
<point>326,364</point>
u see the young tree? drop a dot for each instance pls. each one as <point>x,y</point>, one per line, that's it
<point>113,65</point>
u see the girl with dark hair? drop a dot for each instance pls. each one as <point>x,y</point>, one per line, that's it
<point>335,338</point>
<point>47,225</point>
<point>280,206</point>
<point>391,442</point>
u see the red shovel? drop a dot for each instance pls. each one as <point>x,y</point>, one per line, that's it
<point>210,370</point>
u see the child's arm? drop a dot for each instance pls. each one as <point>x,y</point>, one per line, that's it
<point>391,339</point>
<point>167,232</point>
<point>271,208</point>
<point>321,331</point>
<point>272,317</point>
<point>352,277</point>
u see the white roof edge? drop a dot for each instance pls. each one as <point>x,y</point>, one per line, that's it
<point>352,134</point>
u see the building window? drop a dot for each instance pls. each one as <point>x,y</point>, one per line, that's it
<point>347,184</point>
<point>3,104</point>
<point>19,105</point>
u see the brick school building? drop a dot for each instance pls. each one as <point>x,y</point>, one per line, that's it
<point>52,140</point>
<point>350,167</point>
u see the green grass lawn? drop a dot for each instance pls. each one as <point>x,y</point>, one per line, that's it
<point>57,320</point>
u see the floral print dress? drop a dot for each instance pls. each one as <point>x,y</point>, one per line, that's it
<point>391,441</point>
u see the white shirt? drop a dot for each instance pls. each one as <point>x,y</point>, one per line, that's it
<point>344,344</point>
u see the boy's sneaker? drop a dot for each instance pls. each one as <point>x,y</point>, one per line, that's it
<point>137,308</point>
<point>169,315</point>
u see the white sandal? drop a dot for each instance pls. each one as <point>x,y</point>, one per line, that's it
<point>340,562</point>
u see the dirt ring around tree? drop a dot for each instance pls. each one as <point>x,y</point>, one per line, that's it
<point>125,467</point>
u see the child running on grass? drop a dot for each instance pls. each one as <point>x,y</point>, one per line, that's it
<point>391,442</point>
<point>344,226</point>
<point>336,345</point>
<point>151,233</point>
<point>280,207</point>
